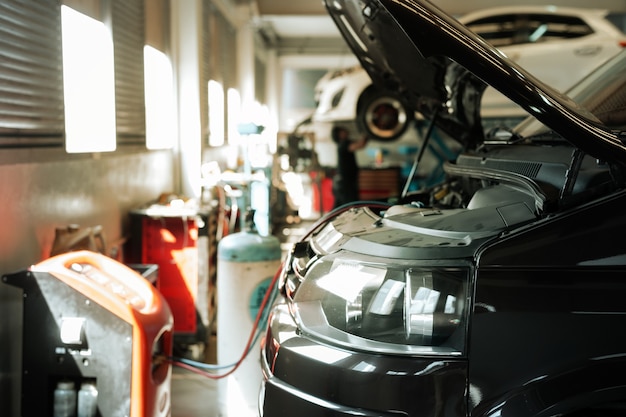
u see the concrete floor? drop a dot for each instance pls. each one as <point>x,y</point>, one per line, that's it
<point>193,395</point>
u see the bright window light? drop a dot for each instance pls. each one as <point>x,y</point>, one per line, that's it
<point>234,116</point>
<point>160,110</point>
<point>88,82</point>
<point>216,113</point>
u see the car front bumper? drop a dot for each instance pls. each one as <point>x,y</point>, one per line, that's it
<point>308,378</point>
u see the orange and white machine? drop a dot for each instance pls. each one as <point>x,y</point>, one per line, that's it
<point>90,318</point>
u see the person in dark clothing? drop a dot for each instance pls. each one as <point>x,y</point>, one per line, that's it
<point>346,179</point>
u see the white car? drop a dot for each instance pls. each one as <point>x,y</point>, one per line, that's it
<point>558,45</point>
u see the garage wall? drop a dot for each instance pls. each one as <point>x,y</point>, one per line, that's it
<point>51,192</point>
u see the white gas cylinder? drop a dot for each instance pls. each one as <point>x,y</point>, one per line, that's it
<point>246,264</point>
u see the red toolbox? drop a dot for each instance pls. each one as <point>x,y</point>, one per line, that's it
<point>176,240</point>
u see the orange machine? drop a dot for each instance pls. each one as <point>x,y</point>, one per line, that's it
<point>90,318</point>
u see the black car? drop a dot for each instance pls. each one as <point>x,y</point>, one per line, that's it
<point>500,292</point>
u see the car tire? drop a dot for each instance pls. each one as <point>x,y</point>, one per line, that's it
<point>383,115</point>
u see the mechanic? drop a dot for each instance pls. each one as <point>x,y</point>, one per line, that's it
<point>346,179</point>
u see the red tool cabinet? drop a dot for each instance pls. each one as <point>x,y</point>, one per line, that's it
<point>175,239</point>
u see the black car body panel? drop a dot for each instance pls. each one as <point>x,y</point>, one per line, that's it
<point>499,292</point>
<point>547,306</point>
<point>312,379</point>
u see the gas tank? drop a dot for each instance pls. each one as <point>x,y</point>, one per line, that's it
<point>246,264</point>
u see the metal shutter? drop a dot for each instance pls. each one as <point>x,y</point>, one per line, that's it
<point>128,42</point>
<point>31,74</point>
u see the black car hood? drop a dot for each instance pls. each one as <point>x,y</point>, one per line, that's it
<point>413,47</point>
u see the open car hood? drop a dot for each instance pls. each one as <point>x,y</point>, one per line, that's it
<point>414,48</point>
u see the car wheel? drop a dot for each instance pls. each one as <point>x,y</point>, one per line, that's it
<point>383,115</point>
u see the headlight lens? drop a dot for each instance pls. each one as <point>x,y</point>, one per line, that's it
<point>397,307</point>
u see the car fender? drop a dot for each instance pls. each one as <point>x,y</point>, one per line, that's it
<point>597,385</point>
<point>337,99</point>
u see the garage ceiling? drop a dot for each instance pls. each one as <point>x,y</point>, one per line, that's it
<point>303,26</point>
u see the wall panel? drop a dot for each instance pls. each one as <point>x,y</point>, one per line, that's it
<point>38,197</point>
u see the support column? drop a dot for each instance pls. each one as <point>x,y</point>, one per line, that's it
<point>186,54</point>
<point>245,63</point>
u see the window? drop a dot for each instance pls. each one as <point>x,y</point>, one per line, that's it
<point>219,64</point>
<point>49,68</point>
<point>160,109</point>
<point>216,113</point>
<point>88,81</point>
<point>233,100</point>
<point>512,29</point>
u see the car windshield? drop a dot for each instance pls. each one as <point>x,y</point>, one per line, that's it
<point>603,93</point>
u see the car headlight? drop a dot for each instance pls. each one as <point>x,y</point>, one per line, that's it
<point>385,306</point>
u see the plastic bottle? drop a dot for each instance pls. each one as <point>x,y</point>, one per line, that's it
<point>87,399</point>
<point>65,399</point>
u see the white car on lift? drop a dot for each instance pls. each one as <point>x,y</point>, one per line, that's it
<point>558,45</point>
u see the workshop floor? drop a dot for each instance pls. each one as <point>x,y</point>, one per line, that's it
<point>193,395</point>
<point>196,395</point>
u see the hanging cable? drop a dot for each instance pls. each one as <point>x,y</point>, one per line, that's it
<point>254,334</point>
